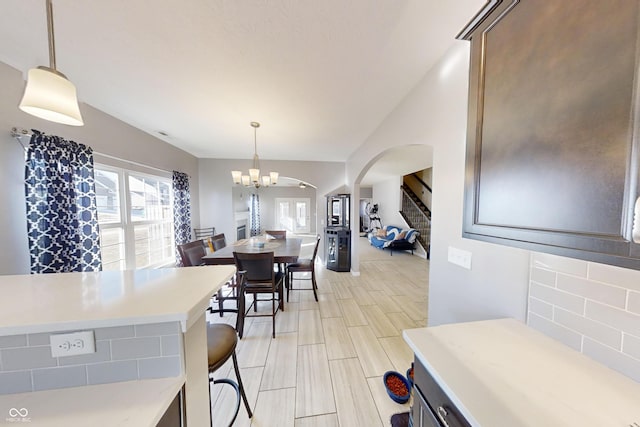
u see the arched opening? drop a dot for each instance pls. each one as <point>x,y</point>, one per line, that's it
<point>381,179</point>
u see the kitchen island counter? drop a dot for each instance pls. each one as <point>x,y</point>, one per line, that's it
<point>503,373</point>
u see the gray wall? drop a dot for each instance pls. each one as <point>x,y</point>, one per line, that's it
<point>102,132</point>
<point>435,114</point>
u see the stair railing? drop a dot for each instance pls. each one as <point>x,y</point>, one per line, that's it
<point>417,217</point>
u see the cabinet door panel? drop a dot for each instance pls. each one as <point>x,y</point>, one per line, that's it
<point>552,140</point>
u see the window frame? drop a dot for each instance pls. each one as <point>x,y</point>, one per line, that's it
<point>127,224</point>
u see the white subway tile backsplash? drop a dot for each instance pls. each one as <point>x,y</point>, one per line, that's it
<point>634,302</point>
<point>609,323</point>
<point>102,354</point>
<point>619,319</point>
<point>614,359</point>
<point>622,277</point>
<point>596,330</point>
<point>554,330</point>
<point>155,329</point>
<point>631,346</point>
<point>26,363</point>
<point>596,291</point>
<point>60,377</point>
<point>134,348</point>
<point>17,359</point>
<point>544,277</point>
<point>13,341</point>
<point>540,308</point>
<point>560,298</point>
<point>115,332</point>
<point>15,382</point>
<point>560,264</point>
<point>38,339</point>
<point>159,367</point>
<point>171,345</point>
<point>112,372</point>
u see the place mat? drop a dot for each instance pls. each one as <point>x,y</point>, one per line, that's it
<point>400,420</point>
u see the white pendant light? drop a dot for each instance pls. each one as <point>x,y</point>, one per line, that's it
<point>49,94</point>
<point>254,179</point>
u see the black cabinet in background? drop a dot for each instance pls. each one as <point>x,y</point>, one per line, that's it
<point>338,248</point>
<point>553,127</point>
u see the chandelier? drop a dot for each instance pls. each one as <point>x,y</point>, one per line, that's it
<point>254,179</point>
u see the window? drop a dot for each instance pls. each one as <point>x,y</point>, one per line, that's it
<point>135,213</point>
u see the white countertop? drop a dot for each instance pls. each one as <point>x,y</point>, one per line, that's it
<point>503,373</point>
<point>131,403</point>
<point>58,302</point>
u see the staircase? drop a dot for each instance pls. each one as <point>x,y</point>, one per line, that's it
<point>417,215</point>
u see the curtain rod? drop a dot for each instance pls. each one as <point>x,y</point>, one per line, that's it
<point>18,133</point>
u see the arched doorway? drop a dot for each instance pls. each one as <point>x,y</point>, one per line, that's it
<point>387,167</point>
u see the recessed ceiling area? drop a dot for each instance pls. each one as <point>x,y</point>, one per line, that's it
<point>319,76</point>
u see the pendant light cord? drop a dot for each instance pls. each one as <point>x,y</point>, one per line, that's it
<point>52,42</point>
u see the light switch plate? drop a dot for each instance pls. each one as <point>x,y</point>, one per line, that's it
<point>459,257</point>
<point>72,344</point>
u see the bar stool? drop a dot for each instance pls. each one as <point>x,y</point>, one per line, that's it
<point>221,344</point>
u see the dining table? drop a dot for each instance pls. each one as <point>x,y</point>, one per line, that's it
<point>285,251</point>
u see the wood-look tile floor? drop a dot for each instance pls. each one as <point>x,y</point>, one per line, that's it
<point>325,366</point>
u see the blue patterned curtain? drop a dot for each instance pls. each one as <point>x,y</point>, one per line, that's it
<point>254,209</point>
<point>181,210</point>
<point>62,217</point>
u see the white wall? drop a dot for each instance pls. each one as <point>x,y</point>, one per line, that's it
<point>434,113</point>
<point>216,195</point>
<point>102,132</point>
<point>387,195</point>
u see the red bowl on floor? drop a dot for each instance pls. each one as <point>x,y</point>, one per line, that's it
<point>400,388</point>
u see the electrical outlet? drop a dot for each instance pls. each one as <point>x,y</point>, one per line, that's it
<point>459,257</point>
<point>72,344</point>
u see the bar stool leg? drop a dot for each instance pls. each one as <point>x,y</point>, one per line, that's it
<point>244,396</point>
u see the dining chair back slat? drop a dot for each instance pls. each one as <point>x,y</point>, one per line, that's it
<point>203,233</point>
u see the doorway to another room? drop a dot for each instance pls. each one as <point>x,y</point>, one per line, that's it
<point>293,214</point>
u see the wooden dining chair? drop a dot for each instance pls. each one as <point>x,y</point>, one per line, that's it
<point>277,234</point>
<point>304,266</point>
<point>191,255</point>
<point>203,233</point>
<point>259,279</point>
<point>218,242</point>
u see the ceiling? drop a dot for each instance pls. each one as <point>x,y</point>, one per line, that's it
<point>319,75</point>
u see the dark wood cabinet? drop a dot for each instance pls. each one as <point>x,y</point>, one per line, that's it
<point>431,406</point>
<point>553,126</point>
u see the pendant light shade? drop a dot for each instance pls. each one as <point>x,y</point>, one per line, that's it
<point>48,94</point>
